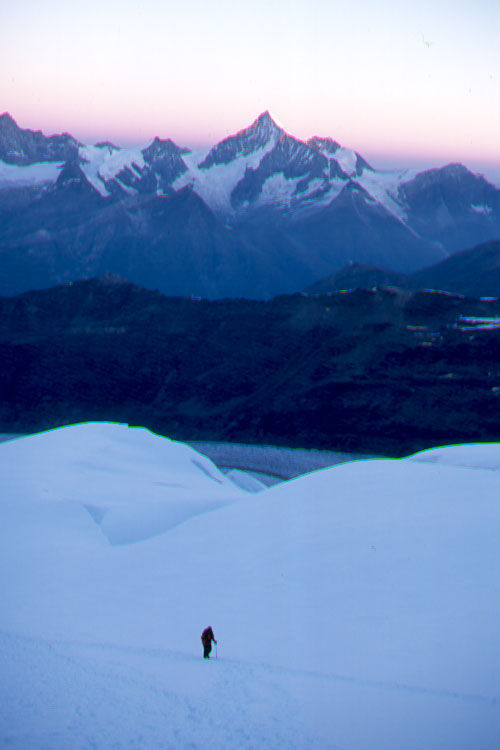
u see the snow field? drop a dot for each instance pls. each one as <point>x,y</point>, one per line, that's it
<point>355,607</point>
<point>29,176</point>
<point>215,184</point>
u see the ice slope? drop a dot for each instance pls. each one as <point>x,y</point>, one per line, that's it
<point>355,607</point>
<point>34,175</point>
<point>101,164</point>
<point>216,183</point>
<point>383,186</point>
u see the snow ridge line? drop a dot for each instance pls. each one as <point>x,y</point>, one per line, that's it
<point>386,685</point>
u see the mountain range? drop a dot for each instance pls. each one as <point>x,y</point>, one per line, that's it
<point>378,371</point>
<point>471,273</point>
<point>259,214</point>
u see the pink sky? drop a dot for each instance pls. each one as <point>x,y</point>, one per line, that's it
<point>400,84</point>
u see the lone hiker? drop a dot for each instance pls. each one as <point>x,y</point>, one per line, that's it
<point>206,638</point>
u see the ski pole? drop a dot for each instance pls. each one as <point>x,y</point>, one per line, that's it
<point>216,651</point>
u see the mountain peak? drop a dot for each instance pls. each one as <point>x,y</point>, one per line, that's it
<point>160,148</point>
<point>264,125</point>
<point>7,123</point>
<point>324,145</point>
<point>72,176</point>
<point>265,119</point>
<point>22,146</point>
<point>261,132</point>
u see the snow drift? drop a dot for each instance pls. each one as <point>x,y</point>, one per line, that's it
<point>355,607</point>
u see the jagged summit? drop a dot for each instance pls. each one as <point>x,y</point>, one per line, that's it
<point>265,123</point>
<point>261,133</point>
<point>23,146</point>
<point>262,213</point>
<point>325,145</point>
<point>160,148</point>
<point>6,119</point>
<point>449,172</point>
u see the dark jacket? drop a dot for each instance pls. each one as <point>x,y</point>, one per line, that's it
<point>208,636</point>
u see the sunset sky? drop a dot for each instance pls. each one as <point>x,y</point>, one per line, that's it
<point>412,83</point>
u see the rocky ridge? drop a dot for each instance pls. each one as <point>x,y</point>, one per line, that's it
<point>283,213</point>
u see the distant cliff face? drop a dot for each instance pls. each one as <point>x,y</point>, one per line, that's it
<point>377,371</point>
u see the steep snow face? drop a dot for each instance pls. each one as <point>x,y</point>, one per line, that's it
<point>102,164</point>
<point>384,187</point>
<point>368,588</point>
<point>262,167</point>
<point>214,174</point>
<point>278,189</point>
<point>151,169</point>
<point>290,176</point>
<point>347,159</point>
<point>216,183</point>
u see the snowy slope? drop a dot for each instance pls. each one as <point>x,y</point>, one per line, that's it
<point>215,184</point>
<point>259,168</point>
<point>355,607</point>
<point>101,164</point>
<point>472,456</point>
<point>120,476</point>
<point>33,175</point>
<point>383,186</point>
<point>216,173</point>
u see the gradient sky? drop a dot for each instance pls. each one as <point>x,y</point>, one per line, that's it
<point>411,83</point>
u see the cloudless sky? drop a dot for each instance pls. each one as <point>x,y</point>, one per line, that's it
<point>401,82</point>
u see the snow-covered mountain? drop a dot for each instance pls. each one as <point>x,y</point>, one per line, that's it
<point>25,147</point>
<point>318,204</point>
<point>354,607</point>
<point>265,167</point>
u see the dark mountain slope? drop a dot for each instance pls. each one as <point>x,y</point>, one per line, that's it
<point>474,272</point>
<point>173,243</point>
<point>358,276</point>
<point>187,251</point>
<point>452,206</point>
<point>374,371</point>
<point>355,227</point>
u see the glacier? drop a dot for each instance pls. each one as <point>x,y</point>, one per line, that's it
<point>355,607</point>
